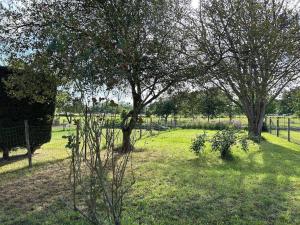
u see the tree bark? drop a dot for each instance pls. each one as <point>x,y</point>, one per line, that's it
<point>126,143</point>
<point>255,116</point>
<point>127,128</point>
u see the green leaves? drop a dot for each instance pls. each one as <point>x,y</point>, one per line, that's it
<point>198,144</point>
<point>222,141</point>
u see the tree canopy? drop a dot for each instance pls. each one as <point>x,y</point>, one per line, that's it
<point>255,47</point>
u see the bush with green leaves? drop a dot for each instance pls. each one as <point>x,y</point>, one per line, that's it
<point>222,141</point>
<point>198,143</point>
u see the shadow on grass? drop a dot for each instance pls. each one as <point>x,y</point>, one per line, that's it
<point>25,191</point>
<point>13,159</point>
<point>256,189</point>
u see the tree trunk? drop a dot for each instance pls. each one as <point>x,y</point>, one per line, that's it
<point>166,120</point>
<point>127,129</point>
<point>126,143</point>
<point>255,117</point>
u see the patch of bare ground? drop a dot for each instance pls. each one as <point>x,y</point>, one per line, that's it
<point>35,191</point>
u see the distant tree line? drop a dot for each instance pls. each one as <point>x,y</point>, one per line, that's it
<point>287,104</point>
<point>209,102</point>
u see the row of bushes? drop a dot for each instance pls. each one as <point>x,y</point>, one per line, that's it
<point>213,126</point>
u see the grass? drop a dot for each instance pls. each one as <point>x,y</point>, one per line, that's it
<point>173,185</point>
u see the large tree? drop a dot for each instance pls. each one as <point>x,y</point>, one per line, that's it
<point>136,46</point>
<point>256,45</point>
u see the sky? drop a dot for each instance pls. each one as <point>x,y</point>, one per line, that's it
<point>195,3</point>
<point>293,3</point>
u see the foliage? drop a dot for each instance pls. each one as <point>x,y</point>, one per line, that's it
<point>211,126</point>
<point>136,47</point>
<point>13,112</point>
<point>210,102</point>
<point>198,144</point>
<point>235,37</point>
<point>98,172</point>
<point>165,108</point>
<point>223,141</point>
<point>289,102</point>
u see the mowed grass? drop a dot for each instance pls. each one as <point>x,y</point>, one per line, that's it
<point>173,186</point>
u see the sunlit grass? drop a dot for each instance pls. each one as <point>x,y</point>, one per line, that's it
<point>173,186</point>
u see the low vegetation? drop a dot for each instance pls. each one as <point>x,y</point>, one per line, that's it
<point>173,185</point>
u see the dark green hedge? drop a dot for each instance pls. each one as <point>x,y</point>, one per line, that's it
<point>13,112</point>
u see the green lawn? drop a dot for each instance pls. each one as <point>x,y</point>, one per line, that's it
<point>173,186</point>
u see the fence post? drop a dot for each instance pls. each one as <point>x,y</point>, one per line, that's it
<point>289,129</point>
<point>277,127</point>
<point>27,140</point>
<point>151,126</point>
<point>270,125</point>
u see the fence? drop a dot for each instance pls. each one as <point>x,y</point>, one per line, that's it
<point>21,141</point>
<point>284,127</point>
<point>24,137</point>
<point>196,122</point>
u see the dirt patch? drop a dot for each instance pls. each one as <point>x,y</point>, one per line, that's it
<point>35,191</point>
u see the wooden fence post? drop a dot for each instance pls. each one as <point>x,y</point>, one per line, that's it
<point>289,129</point>
<point>151,126</point>
<point>277,127</point>
<point>270,125</point>
<point>27,140</point>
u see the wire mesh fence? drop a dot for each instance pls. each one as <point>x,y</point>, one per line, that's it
<point>15,144</point>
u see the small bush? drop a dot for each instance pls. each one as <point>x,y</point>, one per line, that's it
<point>223,141</point>
<point>198,144</point>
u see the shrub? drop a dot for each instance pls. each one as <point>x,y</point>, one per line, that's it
<point>207,126</point>
<point>224,140</point>
<point>14,111</point>
<point>198,143</point>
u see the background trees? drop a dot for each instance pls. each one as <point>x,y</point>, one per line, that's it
<point>254,45</point>
<point>165,107</point>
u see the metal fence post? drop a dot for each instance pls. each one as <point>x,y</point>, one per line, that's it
<point>27,140</point>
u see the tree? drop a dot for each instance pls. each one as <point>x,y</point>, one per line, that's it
<point>136,46</point>
<point>295,95</point>
<point>165,108</point>
<point>68,105</point>
<point>189,103</point>
<point>211,103</point>
<point>255,47</point>
<point>289,102</point>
